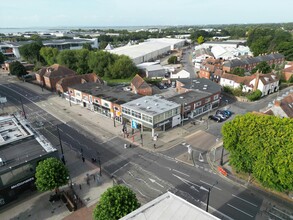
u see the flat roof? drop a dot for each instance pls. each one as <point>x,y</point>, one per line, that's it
<point>112,94</point>
<point>144,48</point>
<point>200,84</point>
<point>24,143</point>
<point>169,206</point>
<point>189,97</point>
<point>151,105</point>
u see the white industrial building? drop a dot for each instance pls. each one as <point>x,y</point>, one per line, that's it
<point>149,50</point>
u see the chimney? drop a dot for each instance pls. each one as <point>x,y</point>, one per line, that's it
<point>256,81</point>
<point>277,103</point>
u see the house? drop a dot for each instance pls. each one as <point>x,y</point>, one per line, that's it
<point>181,74</point>
<point>49,76</point>
<point>63,84</point>
<point>139,86</point>
<point>169,206</point>
<point>287,72</point>
<point>209,67</point>
<point>281,107</point>
<point>250,63</point>
<point>266,83</point>
<point>201,54</point>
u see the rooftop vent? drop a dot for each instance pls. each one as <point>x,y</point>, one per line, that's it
<point>145,101</point>
<point>181,97</point>
<point>148,107</point>
<point>156,104</point>
<point>204,88</point>
<point>137,104</point>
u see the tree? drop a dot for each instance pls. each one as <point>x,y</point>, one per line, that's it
<point>172,60</point>
<point>200,40</point>
<point>31,52</point>
<point>122,68</point>
<point>2,58</point>
<point>238,71</point>
<point>261,145</point>
<point>254,95</point>
<point>82,61</point>
<point>51,174</point>
<point>87,46</point>
<point>115,203</point>
<point>17,69</point>
<point>263,67</point>
<point>49,54</point>
<point>68,58</point>
<point>100,62</point>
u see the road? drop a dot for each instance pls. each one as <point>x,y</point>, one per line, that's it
<point>149,174</point>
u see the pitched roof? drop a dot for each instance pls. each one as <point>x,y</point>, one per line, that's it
<point>78,79</point>
<point>287,105</point>
<point>57,70</point>
<point>268,78</point>
<point>138,82</point>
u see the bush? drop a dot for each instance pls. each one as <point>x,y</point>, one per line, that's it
<point>228,89</point>
<point>254,95</point>
<point>172,60</point>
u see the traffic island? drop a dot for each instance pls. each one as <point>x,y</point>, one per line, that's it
<point>185,158</point>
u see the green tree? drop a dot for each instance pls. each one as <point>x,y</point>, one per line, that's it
<point>17,69</point>
<point>263,67</point>
<point>31,52</point>
<point>122,68</point>
<point>87,46</point>
<point>49,54</point>
<point>262,146</point>
<point>238,71</point>
<point>200,40</point>
<point>51,174</point>
<point>68,58</point>
<point>115,203</point>
<point>172,60</point>
<point>82,61</point>
<point>254,95</point>
<point>2,58</point>
<point>100,62</point>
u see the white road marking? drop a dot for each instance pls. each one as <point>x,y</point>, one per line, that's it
<point>276,216</point>
<point>180,172</point>
<point>210,185</point>
<point>154,181</point>
<point>244,200</point>
<point>187,182</point>
<point>282,212</point>
<point>240,210</point>
<point>119,169</point>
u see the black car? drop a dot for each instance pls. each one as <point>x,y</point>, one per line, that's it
<point>215,118</point>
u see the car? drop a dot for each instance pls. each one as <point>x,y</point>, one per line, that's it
<point>224,113</point>
<point>222,116</point>
<point>215,118</point>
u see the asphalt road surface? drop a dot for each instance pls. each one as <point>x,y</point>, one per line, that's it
<point>151,174</point>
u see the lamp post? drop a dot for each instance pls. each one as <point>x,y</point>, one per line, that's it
<point>222,155</point>
<point>22,107</point>
<point>209,191</point>
<point>62,152</point>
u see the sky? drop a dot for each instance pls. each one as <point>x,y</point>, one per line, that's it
<point>97,13</point>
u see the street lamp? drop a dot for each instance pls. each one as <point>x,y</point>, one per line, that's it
<point>62,152</point>
<point>209,191</point>
<point>22,107</point>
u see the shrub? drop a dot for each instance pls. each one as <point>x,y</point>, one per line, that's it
<point>254,95</point>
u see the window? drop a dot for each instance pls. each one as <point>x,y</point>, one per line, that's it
<point>197,104</point>
<point>136,114</point>
<point>126,110</point>
<point>208,100</point>
<point>216,97</point>
<point>147,118</point>
<point>168,114</point>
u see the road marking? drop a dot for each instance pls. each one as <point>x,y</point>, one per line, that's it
<point>276,216</point>
<point>154,181</point>
<point>240,210</point>
<point>210,185</point>
<point>282,212</point>
<point>244,200</point>
<point>180,172</point>
<point>119,168</point>
<point>187,182</point>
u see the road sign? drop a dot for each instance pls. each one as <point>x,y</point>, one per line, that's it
<point>133,124</point>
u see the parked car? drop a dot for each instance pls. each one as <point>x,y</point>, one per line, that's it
<point>224,113</point>
<point>215,118</point>
<point>222,116</point>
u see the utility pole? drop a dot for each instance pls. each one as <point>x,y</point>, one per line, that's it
<point>222,155</point>
<point>209,191</point>
<point>22,108</point>
<point>62,152</point>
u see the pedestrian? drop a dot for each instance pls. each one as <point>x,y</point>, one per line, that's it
<point>80,186</point>
<point>125,146</point>
<point>83,160</point>
<point>154,146</point>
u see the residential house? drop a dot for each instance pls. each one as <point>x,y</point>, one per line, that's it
<point>209,67</point>
<point>287,72</point>
<point>139,86</point>
<point>281,107</point>
<point>49,76</point>
<point>63,84</point>
<point>250,63</point>
<point>266,83</point>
